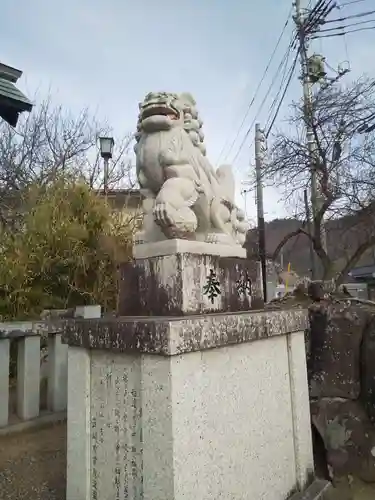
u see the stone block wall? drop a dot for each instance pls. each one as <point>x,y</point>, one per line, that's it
<point>341,367</point>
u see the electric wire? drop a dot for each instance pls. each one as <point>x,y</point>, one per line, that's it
<point>352,2</point>
<point>284,63</point>
<point>317,15</point>
<point>347,26</point>
<point>363,127</point>
<point>291,73</point>
<point>345,39</point>
<point>353,16</point>
<point>257,89</point>
<point>320,9</point>
<point>346,48</point>
<point>286,55</point>
<point>274,102</point>
<point>261,107</point>
<point>343,30</point>
<point>344,33</point>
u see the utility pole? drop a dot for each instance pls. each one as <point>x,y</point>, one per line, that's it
<point>260,148</point>
<point>316,201</point>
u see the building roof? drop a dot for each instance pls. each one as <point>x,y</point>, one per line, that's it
<point>363,272</point>
<point>120,198</point>
<point>12,101</point>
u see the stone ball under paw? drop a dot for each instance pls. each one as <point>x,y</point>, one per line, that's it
<point>184,224</point>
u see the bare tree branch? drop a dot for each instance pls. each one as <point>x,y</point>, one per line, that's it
<point>286,239</point>
<point>344,164</point>
<point>52,141</point>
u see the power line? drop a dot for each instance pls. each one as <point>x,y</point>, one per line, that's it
<point>353,16</point>
<point>291,73</point>
<point>331,68</point>
<point>343,29</point>
<point>347,26</point>
<point>317,15</point>
<point>256,117</point>
<point>320,10</point>
<point>351,3</point>
<point>345,39</point>
<point>344,33</point>
<point>324,17</point>
<point>274,102</point>
<point>258,87</point>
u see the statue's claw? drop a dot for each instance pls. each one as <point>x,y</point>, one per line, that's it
<point>162,214</point>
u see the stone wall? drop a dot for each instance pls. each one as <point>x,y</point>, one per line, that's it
<point>341,369</point>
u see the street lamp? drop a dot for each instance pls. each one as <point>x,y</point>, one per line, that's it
<point>106,150</point>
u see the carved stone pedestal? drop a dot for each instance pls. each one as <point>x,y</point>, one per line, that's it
<point>202,407</point>
<point>189,394</point>
<point>181,277</point>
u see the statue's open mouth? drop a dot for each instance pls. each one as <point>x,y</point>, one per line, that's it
<point>159,110</point>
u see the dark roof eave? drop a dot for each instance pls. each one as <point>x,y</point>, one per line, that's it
<point>10,109</point>
<point>10,115</point>
<point>15,104</point>
<point>12,100</point>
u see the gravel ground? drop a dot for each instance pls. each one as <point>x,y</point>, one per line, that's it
<point>33,467</point>
<point>33,464</point>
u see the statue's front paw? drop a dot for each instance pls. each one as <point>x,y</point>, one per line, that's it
<point>175,223</point>
<point>163,214</point>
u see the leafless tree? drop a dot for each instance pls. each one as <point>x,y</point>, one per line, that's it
<point>50,141</point>
<point>344,163</point>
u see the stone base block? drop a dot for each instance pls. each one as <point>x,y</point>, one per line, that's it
<point>170,247</point>
<point>171,336</point>
<point>212,407</point>
<point>188,283</point>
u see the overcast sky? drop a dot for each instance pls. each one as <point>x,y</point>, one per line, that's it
<point>107,54</point>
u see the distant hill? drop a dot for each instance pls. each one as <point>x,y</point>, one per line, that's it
<point>341,234</point>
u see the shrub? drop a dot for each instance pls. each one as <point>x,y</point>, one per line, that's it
<point>65,251</point>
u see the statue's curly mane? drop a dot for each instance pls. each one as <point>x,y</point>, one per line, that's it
<point>192,124</point>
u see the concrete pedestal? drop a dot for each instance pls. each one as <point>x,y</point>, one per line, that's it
<point>193,396</point>
<point>201,407</point>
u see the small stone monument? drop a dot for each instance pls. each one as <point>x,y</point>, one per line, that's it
<point>190,393</point>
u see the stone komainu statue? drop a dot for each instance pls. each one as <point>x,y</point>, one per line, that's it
<point>184,196</point>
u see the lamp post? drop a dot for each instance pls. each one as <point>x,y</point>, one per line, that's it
<point>106,150</point>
